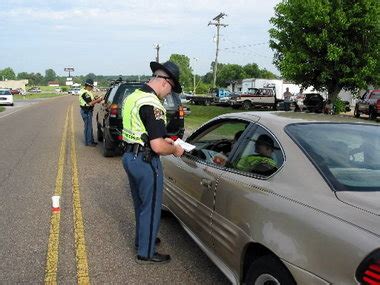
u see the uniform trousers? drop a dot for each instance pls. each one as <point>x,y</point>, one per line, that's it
<point>146,184</point>
<point>88,132</point>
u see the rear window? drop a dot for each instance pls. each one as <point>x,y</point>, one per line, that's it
<point>5,92</point>
<point>124,90</point>
<point>347,155</point>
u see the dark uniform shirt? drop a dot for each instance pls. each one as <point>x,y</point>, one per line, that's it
<point>152,118</point>
<point>87,98</point>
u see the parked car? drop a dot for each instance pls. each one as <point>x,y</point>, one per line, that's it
<point>74,91</point>
<point>15,91</point>
<point>313,102</point>
<point>6,97</point>
<point>34,90</point>
<point>310,216</point>
<point>255,97</point>
<point>109,119</point>
<point>368,104</point>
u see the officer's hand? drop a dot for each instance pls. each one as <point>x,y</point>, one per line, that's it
<point>178,151</point>
<point>169,140</point>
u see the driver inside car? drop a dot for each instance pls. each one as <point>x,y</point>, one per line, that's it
<point>222,158</point>
<point>261,162</point>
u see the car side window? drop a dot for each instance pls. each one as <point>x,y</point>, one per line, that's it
<point>215,144</point>
<point>259,153</point>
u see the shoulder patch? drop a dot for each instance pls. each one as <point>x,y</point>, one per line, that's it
<point>158,114</point>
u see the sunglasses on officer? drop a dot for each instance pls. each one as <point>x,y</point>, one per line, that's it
<point>167,79</point>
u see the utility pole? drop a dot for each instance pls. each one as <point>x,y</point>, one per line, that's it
<point>157,47</point>
<point>195,59</point>
<point>218,24</point>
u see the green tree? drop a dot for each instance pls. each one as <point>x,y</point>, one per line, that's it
<point>50,75</point>
<point>267,74</point>
<point>186,77</point>
<point>23,75</point>
<point>91,76</point>
<point>228,73</point>
<point>7,73</point>
<point>328,44</point>
<point>36,79</point>
<point>252,70</point>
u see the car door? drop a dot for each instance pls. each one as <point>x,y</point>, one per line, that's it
<point>102,108</point>
<point>363,104</point>
<point>232,216</point>
<point>190,181</point>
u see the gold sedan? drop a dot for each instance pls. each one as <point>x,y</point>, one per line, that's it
<point>282,198</point>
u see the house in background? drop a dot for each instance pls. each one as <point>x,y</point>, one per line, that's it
<point>14,84</point>
<point>53,83</point>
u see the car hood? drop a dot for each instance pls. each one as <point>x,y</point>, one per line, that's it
<point>367,201</point>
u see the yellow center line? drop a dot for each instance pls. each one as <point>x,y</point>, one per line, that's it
<point>80,244</point>
<point>52,254</point>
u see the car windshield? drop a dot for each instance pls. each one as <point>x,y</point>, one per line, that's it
<point>348,155</point>
<point>5,92</point>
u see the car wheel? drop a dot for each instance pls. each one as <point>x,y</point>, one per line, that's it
<point>247,105</point>
<point>107,148</point>
<point>99,134</point>
<point>372,114</point>
<point>207,103</point>
<point>268,270</point>
<point>356,112</point>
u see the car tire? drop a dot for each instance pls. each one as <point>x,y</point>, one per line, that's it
<point>372,114</point>
<point>99,134</point>
<point>356,112</point>
<point>247,105</point>
<point>268,269</point>
<point>207,103</point>
<point>107,148</point>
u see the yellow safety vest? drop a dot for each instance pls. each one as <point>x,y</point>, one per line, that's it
<point>83,103</point>
<point>133,127</point>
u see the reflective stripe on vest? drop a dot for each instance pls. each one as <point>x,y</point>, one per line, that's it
<point>83,103</point>
<point>133,127</point>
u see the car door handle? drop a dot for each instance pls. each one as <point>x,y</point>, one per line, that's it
<point>206,183</point>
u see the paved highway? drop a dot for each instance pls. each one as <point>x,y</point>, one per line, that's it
<point>91,238</point>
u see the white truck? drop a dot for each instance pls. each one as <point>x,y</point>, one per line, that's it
<point>255,97</point>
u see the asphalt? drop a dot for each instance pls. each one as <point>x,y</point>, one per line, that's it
<point>30,138</point>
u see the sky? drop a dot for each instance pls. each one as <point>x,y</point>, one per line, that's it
<point>109,37</point>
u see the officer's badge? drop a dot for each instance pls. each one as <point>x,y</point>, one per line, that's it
<point>158,114</point>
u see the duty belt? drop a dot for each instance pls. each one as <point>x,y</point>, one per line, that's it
<point>135,148</point>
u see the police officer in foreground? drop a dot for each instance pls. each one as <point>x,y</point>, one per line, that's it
<point>87,102</point>
<point>144,136</point>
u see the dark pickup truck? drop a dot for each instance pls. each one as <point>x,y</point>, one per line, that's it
<point>368,104</point>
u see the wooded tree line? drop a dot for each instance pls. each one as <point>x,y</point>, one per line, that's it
<point>226,74</point>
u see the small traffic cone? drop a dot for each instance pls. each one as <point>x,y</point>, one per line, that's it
<point>55,200</point>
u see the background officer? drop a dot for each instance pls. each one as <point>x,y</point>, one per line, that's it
<point>87,102</point>
<point>144,134</point>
